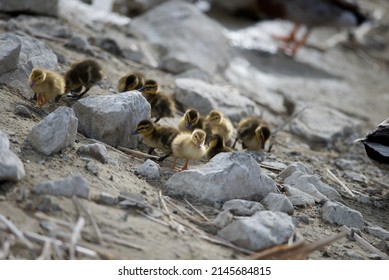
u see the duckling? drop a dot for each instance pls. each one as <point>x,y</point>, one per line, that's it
<point>46,85</point>
<point>218,124</point>
<point>157,136</point>
<point>253,132</point>
<point>191,120</point>
<point>189,146</point>
<point>162,105</point>
<point>131,82</point>
<point>216,146</point>
<point>82,74</point>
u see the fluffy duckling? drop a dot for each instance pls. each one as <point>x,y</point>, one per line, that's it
<point>82,74</point>
<point>162,105</point>
<point>133,81</point>
<point>216,146</point>
<point>191,120</point>
<point>253,132</point>
<point>46,85</point>
<point>218,124</point>
<point>189,146</point>
<point>157,136</point>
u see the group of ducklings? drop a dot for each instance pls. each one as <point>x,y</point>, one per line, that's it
<point>48,85</point>
<point>199,136</point>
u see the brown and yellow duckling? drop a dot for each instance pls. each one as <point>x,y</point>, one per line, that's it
<point>157,136</point>
<point>161,104</point>
<point>189,147</point>
<point>82,74</point>
<point>46,85</point>
<point>253,132</point>
<point>218,124</point>
<point>132,81</point>
<point>191,120</point>
<point>216,146</point>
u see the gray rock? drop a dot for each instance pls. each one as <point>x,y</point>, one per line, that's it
<point>339,214</point>
<point>196,74</point>
<point>76,185</point>
<point>226,176</point>
<point>240,207</point>
<point>11,167</point>
<point>33,53</point>
<point>378,232</point>
<point>297,166</point>
<point>345,164</point>
<point>302,182</point>
<point>149,169</point>
<point>205,97</point>
<point>321,125</point>
<point>55,132</point>
<point>278,202</point>
<point>364,199</point>
<point>96,151</point>
<point>111,118</point>
<point>108,199</point>
<point>325,189</point>
<point>41,7</point>
<point>223,219</point>
<point>356,176</point>
<point>299,198</point>
<point>23,111</point>
<point>197,40</point>
<point>9,54</point>
<point>260,231</point>
<point>79,43</point>
<point>92,168</point>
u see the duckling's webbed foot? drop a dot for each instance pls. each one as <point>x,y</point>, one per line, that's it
<point>236,140</point>
<point>151,150</point>
<point>74,95</point>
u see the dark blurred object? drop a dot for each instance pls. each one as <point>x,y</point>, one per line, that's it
<point>311,13</point>
<point>376,143</point>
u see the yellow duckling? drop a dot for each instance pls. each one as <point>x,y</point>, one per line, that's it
<point>82,74</point>
<point>46,85</point>
<point>189,146</point>
<point>133,81</point>
<point>162,105</point>
<point>253,132</point>
<point>216,146</point>
<point>218,124</point>
<point>157,136</point>
<point>191,120</point>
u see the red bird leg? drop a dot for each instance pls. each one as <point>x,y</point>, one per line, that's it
<point>291,38</point>
<point>299,44</point>
<point>185,167</point>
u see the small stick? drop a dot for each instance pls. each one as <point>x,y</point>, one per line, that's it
<point>91,219</point>
<point>16,231</point>
<point>266,166</point>
<point>180,209</point>
<point>164,206</point>
<point>153,219</point>
<point>57,252</point>
<point>197,211</point>
<point>42,239</point>
<point>364,243</point>
<point>75,236</point>
<point>123,242</point>
<point>6,247</point>
<point>46,251</point>
<point>226,244</point>
<point>136,153</point>
<point>43,216</point>
<point>340,183</point>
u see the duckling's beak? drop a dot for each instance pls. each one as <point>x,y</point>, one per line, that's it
<point>198,145</point>
<point>135,132</point>
<point>32,83</point>
<point>141,89</point>
<point>188,125</point>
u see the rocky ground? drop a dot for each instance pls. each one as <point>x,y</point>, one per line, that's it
<point>80,195</point>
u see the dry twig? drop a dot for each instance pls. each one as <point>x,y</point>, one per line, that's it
<point>16,231</point>
<point>46,251</point>
<point>75,236</point>
<point>136,153</point>
<point>340,183</point>
<point>197,211</point>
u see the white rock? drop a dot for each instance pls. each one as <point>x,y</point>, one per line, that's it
<point>149,169</point>
<point>112,118</point>
<point>322,125</point>
<point>379,232</point>
<point>41,7</point>
<point>55,132</point>
<point>223,219</point>
<point>240,207</point>
<point>278,202</point>
<point>226,176</point>
<point>339,214</point>
<point>299,198</point>
<point>191,39</point>
<point>301,181</point>
<point>260,231</point>
<point>9,55</point>
<point>206,97</point>
<point>76,185</point>
<point>296,166</point>
<point>11,167</point>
